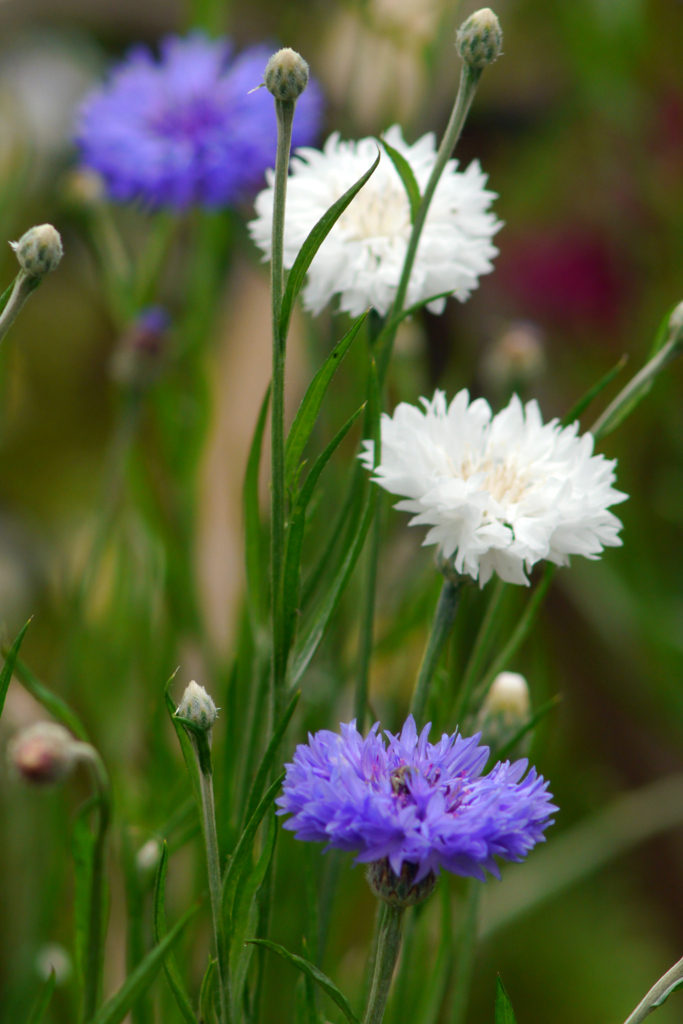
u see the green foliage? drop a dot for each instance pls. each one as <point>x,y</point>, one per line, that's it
<point>316,975</point>
<point>8,667</point>
<point>43,1000</point>
<point>504,1012</point>
<point>171,970</point>
<point>253,539</point>
<point>405,172</point>
<point>269,758</point>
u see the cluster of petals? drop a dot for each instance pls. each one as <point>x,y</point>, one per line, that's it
<point>362,257</point>
<point>187,128</point>
<point>502,492</point>
<point>415,802</point>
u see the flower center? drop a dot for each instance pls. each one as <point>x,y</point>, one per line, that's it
<point>503,479</point>
<point>376,214</point>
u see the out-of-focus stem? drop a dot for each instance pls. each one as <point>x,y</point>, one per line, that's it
<point>388,948</point>
<point>23,286</point>
<point>466,949</point>
<point>476,658</point>
<point>443,622</point>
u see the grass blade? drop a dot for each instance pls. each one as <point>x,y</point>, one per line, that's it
<point>312,971</point>
<point>175,982</point>
<point>243,849</point>
<point>501,754</point>
<point>252,520</point>
<point>304,421</point>
<point>406,175</point>
<point>8,667</point>
<point>43,1000</point>
<point>207,995</point>
<point>185,743</point>
<point>116,1008</point>
<point>57,707</point>
<point>269,756</point>
<point>580,407</point>
<point>504,1012</point>
<point>315,239</point>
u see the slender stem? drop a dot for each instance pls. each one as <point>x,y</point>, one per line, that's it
<point>285,116</point>
<point>476,658</point>
<point>657,994</point>
<point>522,630</point>
<point>467,945</point>
<point>443,621</point>
<point>388,948</point>
<point>469,79</point>
<point>23,286</point>
<point>213,868</point>
<point>367,621</point>
<point>94,959</point>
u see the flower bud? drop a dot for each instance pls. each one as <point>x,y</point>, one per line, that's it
<point>506,709</point>
<point>39,250</point>
<point>286,75</point>
<point>480,39</point>
<point>147,857</point>
<point>516,358</point>
<point>197,706</point>
<point>399,890</point>
<point>138,358</point>
<point>54,957</point>
<point>43,753</point>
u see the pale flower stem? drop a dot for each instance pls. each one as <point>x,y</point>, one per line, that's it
<point>367,623</point>
<point>652,999</point>
<point>213,868</point>
<point>481,646</point>
<point>23,286</point>
<point>285,117</point>
<point>466,949</point>
<point>388,947</point>
<point>443,622</point>
<point>469,79</point>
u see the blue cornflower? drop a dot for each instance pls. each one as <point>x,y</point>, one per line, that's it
<point>186,129</point>
<point>415,803</point>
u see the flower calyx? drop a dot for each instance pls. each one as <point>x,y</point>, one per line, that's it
<point>480,39</point>
<point>286,75</point>
<point>399,890</point>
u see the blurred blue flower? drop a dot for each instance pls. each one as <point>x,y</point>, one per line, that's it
<point>186,129</point>
<point>414,802</point>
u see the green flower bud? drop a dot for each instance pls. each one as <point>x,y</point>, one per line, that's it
<point>480,39</point>
<point>286,75</point>
<point>44,753</point>
<point>399,890</point>
<point>197,706</point>
<point>39,251</point>
<point>506,709</point>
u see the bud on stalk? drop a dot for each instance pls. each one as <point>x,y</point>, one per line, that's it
<point>480,39</point>
<point>286,75</point>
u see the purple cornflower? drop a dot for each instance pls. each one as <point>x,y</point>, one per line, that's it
<point>185,128</point>
<point>412,802</point>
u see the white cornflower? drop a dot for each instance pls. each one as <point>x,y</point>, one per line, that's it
<point>500,492</point>
<point>362,257</point>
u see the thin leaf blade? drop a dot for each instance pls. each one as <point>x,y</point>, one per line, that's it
<point>252,519</point>
<point>407,177</point>
<point>504,1012</point>
<point>57,707</point>
<point>185,744</point>
<point>43,999</point>
<point>269,757</point>
<point>173,977</point>
<point>315,239</point>
<point>8,667</point>
<point>243,848</point>
<point>580,407</point>
<point>309,969</point>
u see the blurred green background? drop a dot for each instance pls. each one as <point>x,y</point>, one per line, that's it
<point>580,128</point>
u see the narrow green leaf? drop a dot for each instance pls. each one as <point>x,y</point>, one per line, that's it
<point>136,944</point>
<point>307,414</point>
<point>207,995</point>
<point>82,844</point>
<point>252,520</point>
<point>312,971</point>
<point>185,743</point>
<point>315,239</point>
<point>8,667</point>
<point>501,754</point>
<point>57,707</point>
<point>665,995</point>
<point>175,981</point>
<point>580,407</point>
<point>243,849</point>
<point>43,1000</point>
<point>116,1008</point>
<point>327,607</point>
<point>291,582</point>
<point>201,742</point>
<point>504,1012</point>
<point>269,756</point>
<point>406,175</point>
<point>4,298</point>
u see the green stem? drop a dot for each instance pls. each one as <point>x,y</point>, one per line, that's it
<point>657,993</point>
<point>467,946</point>
<point>23,286</point>
<point>208,815</point>
<point>443,621</point>
<point>94,960</point>
<point>285,116</point>
<point>522,630</point>
<point>367,621</point>
<point>479,651</point>
<point>469,79</point>
<point>388,948</point>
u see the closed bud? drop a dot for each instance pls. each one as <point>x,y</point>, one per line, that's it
<point>148,856</point>
<point>505,710</point>
<point>480,39</point>
<point>399,890</point>
<point>286,75</point>
<point>39,251</point>
<point>196,705</point>
<point>516,358</point>
<point>43,753</point>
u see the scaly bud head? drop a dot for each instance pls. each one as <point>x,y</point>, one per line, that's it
<point>43,753</point>
<point>39,251</point>
<point>197,706</point>
<point>480,39</point>
<point>399,890</point>
<point>286,75</point>
<point>505,710</point>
